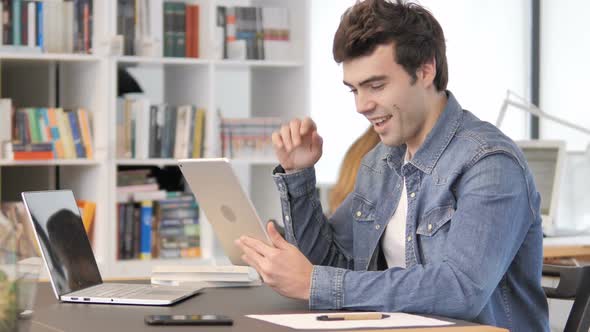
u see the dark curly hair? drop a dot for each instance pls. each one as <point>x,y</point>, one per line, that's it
<point>417,36</point>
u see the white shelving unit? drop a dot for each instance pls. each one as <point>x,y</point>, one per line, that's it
<point>237,88</point>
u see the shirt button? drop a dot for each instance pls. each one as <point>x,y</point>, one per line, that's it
<point>287,218</point>
<point>413,195</point>
<point>398,185</point>
<point>429,227</point>
<point>377,227</point>
<point>409,239</point>
<point>359,213</point>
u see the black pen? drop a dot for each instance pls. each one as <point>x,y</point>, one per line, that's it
<point>356,316</point>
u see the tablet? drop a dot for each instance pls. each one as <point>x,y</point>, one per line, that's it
<point>227,207</point>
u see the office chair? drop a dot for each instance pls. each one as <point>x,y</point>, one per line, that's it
<point>574,283</point>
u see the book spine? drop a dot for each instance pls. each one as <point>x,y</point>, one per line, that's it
<point>16,23</point>
<point>180,48</point>
<point>55,134</point>
<point>84,121</point>
<point>136,233</point>
<point>40,41</point>
<point>33,125</point>
<point>168,29</point>
<point>32,24</point>
<point>86,26</point>
<point>222,23</point>
<point>189,30</point>
<point>120,231</point>
<point>75,127</point>
<point>153,131</point>
<point>66,134</point>
<point>146,229</point>
<point>128,237</point>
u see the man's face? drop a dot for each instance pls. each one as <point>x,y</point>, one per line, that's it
<point>387,96</point>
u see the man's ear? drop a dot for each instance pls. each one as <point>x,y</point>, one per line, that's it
<point>427,72</point>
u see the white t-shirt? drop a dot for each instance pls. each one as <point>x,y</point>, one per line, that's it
<point>393,243</point>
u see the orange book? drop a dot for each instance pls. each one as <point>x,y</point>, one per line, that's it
<point>87,210</point>
<point>86,133</point>
<point>191,252</point>
<point>33,155</point>
<point>55,134</point>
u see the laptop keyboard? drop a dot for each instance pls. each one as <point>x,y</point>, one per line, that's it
<point>115,290</point>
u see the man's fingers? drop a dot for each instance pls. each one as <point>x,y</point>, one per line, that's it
<point>307,126</point>
<point>294,125</point>
<point>316,141</point>
<point>286,137</point>
<point>277,141</point>
<point>275,237</point>
<point>253,256</point>
<point>258,246</point>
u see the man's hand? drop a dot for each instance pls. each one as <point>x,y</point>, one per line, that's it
<point>297,145</point>
<point>283,267</point>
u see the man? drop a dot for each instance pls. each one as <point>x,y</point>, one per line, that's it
<point>444,218</point>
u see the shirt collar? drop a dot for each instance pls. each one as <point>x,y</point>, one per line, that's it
<point>435,143</point>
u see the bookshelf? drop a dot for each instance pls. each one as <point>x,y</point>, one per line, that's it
<point>237,88</point>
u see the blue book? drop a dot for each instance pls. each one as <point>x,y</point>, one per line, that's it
<point>75,125</point>
<point>16,23</point>
<point>145,239</point>
<point>40,25</point>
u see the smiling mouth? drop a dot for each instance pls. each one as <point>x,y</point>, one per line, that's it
<point>379,122</point>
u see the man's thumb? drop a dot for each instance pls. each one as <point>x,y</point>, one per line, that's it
<point>275,237</point>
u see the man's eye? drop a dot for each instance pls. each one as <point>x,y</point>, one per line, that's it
<point>353,91</point>
<point>377,87</point>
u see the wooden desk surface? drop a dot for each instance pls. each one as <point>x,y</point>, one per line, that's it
<point>566,246</point>
<point>52,316</point>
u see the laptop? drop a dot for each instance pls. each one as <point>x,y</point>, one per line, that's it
<point>546,160</point>
<point>68,256</point>
<point>227,207</point>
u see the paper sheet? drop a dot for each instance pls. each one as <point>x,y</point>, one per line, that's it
<point>309,321</point>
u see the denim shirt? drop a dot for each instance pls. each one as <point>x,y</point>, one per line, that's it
<point>473,230</point>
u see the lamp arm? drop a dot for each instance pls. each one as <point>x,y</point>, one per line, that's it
<point>532,109</point>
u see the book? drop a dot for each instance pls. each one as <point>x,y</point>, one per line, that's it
<point>211,276</point>
<point>87,211</point>
<point>146,229</point>
<point>86,132</point>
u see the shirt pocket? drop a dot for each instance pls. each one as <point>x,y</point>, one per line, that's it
<point>434,220</point>
<point>362,210</point>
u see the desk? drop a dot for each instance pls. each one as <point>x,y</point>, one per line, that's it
<point>52,316</point>
<point>566,246</point>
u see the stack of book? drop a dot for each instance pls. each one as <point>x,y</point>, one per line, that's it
<point>140,23</point>
<point>48,133</point>
<point>154,223</point>
<point>55,26</point>
<point>159,131</point>
<point>248,137</point>
<point>254,33</point>
<point>205,276</point>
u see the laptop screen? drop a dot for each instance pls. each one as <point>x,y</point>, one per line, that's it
<point>62,239</point>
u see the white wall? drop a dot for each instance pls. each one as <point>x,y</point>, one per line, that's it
<point>487,50</point>
<point>565,44</point>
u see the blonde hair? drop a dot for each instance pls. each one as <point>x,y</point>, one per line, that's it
<point>350,166</point>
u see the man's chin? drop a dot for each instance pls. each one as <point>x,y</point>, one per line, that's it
<point>391,141</point>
